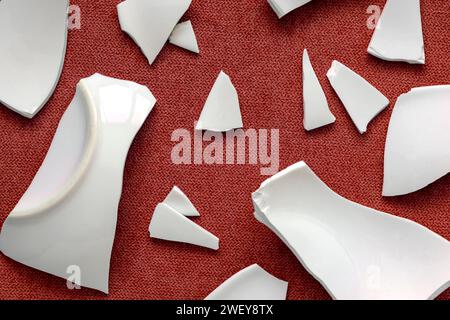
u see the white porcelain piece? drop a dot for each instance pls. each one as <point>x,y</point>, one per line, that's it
<point>251,283</point>
<point>67,217</point>
<point>178,201</point>
<point>355,252</point>
<point>150,22</point>
<point>184,37</point>
<point>398,35</point>
<point>417,149</point>
<point>33,37</point>
<point>315,105</point>
<point>221,111</point>
<point>362,101</point>
<point>283,7</point>
<point>169,224</point>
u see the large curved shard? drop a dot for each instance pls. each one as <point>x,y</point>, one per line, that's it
<point>251,283</point>
<point>33,38</point>
<point>355,252</point>
<point>417,149</point>
<point>67,217</point>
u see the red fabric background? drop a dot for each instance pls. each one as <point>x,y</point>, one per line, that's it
<point>263,57</point>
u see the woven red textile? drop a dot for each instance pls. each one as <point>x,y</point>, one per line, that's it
<point>263,57</point>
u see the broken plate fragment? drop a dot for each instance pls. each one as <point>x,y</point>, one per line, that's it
<point>183,36</point>
<point>169,224</point>
<point>33,38</point>
<point>221,112</point>
<point>283,7</point>
<point>361,100</point>
<point>251,283</point>
<point>355,252</point>
<point>418,141</point>
<point>67,217</point>
<point>315,105</point>
<point>398,35</point>
<point>150,23</point>
<point>178,201</point>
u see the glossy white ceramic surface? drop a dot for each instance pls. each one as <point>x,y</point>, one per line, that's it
<point>178,201</point>
<point>33,37</point>
<point>315,105</point>
<point>221,111</point>
<point>354,251</point>
<point>68,214</point>
<point>362,101</point>
<point>150,22</point>
<point>417,149</point>
<point>184,37</point>
<point>398,35</point>
<point>251,283</point>
<point>283,7</point>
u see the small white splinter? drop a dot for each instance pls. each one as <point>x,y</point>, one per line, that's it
<point>150,23</point>
<point>417,149</point>
<point>184,37</point>
<point>315,105</point>
<point>221,112</point>
<point>398,35</point>
<point>169,224</point>
<point>178,201</point>
<point>251,283</point>
<point>362,101</point>
<point>283,7</point>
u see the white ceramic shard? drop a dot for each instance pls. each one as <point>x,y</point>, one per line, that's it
<point>183,36</point>
<point>398,35</point>
<point>362,101</point>
<point>354,251</point>
<point>283,7</point>
<point>178,201</point>
<point>150,22</point>
<point>67,217</point>
<point>221,112</point>
<point>417,149</point>
<point>33,37</point>
<point>315,105</point>
<point>169,224</point>
<point>251,283</point>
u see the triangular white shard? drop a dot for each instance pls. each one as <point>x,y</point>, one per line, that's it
<point>418,141</point>
<point>33,38</point>
<point>398,35</point>
<point>183,36</point>
<point>150,23</point>
<point>178,201</point>
<point>283,7</point>
<point>251,283</point>
<point>354,251</point>
<point>67,217</point>
<point>362,101</point>
<point>315,105</point>
<point>168,224</point>
<point>221,112</point>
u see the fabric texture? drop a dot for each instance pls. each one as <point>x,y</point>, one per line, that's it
<point>262,55</point>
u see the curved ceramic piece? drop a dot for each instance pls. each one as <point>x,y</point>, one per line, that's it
<point>362,101</point>
<point>398,35</point>
<point>150,23</point>
<point>178,201</point>
<point>251,283</point>
<point>68,214</point>
<point>283,7</point>
<point>354,251</point>
<point>221,112</point>
<point>33,38</point>
<point>183,36</point>
<point>169,224</point>
<point>316,111</point>
<point>417,149</point>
